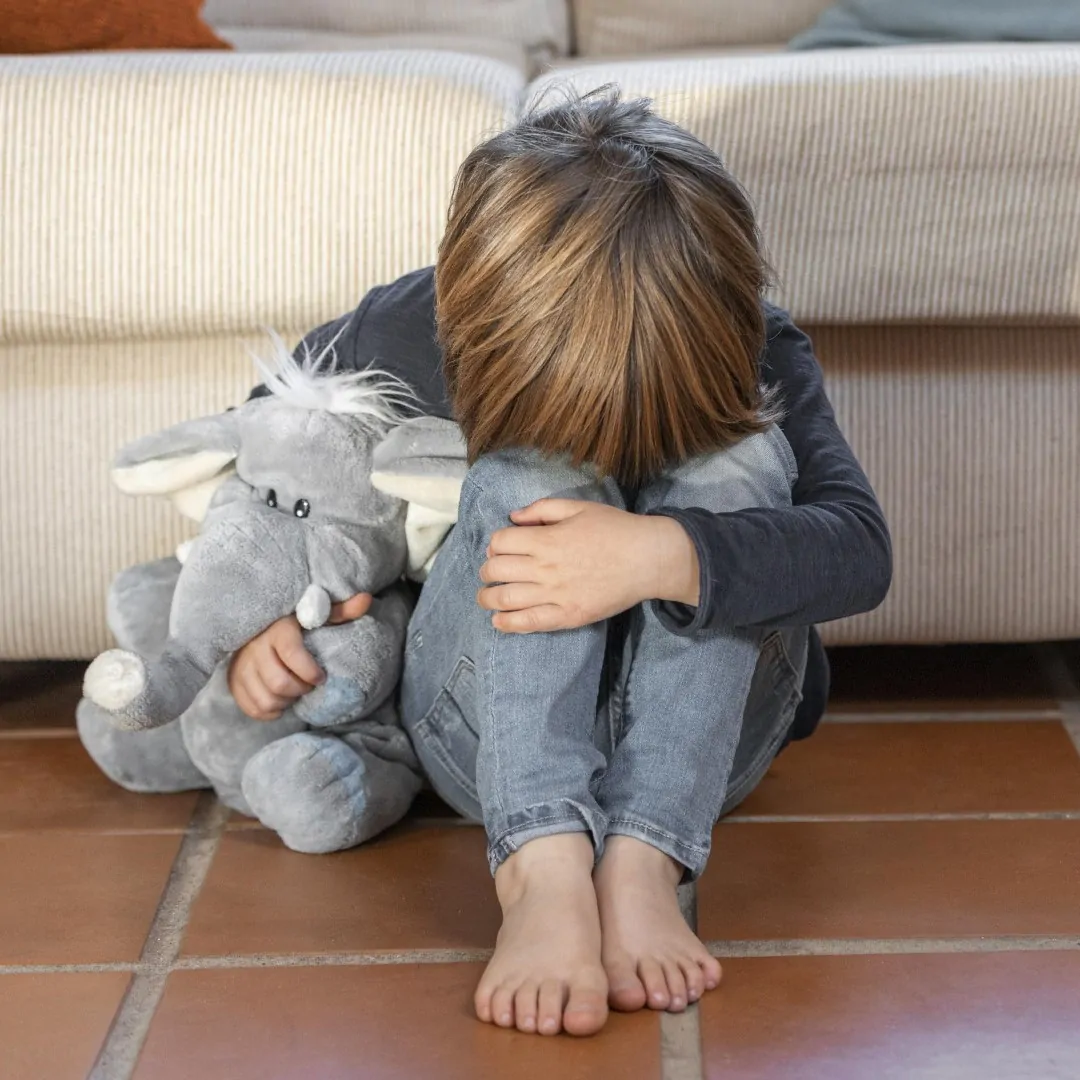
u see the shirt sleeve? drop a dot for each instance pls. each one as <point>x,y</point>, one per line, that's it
<point>827,556</point>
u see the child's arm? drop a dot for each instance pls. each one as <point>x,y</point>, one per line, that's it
<point>826,557</point>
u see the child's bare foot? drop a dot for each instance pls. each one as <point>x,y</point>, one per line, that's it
<point>650,955</point>
<point>546,973</point>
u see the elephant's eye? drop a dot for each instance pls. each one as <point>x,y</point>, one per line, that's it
<point>302,508</point>
<point>271,499</point>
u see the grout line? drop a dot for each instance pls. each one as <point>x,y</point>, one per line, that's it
<point>680,1033</point>
<point>720,949</point>
<point>1073,728</point>
<point>63,969</point>
<point>889,946</point>
<point>344,959</point>
<point>967,716</point>
<point>989,815</point>
<point>120,1051</point>
<point>76,830</point>
<point>680,1045</point>
<point>15,734</point>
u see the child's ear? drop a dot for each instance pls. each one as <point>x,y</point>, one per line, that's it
<point>186,462</point>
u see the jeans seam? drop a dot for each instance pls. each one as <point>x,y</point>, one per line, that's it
<point>434,744</point>
<point>501,843</point>
<point>652,830</point>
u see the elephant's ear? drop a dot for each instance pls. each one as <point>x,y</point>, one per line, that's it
<point>187,462</point>
<point>423,462</point>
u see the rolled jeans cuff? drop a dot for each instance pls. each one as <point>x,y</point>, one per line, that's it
<point>546,819</point>
<point>692,857</point>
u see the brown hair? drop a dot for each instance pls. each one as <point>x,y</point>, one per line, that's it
<point>598,292</point>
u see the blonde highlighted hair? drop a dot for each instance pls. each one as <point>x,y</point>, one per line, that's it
<point>598,292</point>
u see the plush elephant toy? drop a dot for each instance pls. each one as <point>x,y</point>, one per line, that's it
<point>294,517</point>
<point>297,526</point>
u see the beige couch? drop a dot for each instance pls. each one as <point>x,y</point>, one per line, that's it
<point>922,207</point>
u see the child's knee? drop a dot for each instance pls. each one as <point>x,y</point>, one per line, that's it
<point>511,479</point>
<point>759,471</point>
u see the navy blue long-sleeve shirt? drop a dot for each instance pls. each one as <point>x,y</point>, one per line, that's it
<point>827,556</point>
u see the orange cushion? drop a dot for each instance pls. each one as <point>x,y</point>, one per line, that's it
<point>45,26</point>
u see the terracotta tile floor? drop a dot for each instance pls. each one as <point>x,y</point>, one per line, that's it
<point>900,898</point>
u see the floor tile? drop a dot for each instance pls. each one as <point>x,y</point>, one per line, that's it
<point>52,1026</point>
<point>1009,1016</point>
<point>892,879</point>
<point>78,898</point>
<point>53,784</point>
<point>346,1022</point>
<point>932,768</point>
<point>979,678</point>
<point>39,695</point>
<point>418,887</point>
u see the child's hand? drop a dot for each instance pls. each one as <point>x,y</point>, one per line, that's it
<point>580,562</point>
<point>273,670</point>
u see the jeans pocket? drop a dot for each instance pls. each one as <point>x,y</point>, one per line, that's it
<point>447,743</point>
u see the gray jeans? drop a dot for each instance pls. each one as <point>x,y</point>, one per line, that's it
<point>621,727</point>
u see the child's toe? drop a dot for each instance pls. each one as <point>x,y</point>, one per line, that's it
<point>652,977</point>
<point>525,1007</point>
<point>712,971</point>
<point>694,977</point>
<point>676,984</point>
<point>552,998</point>
<point>586,1009</point>
<point>502,1007</point>
<point>625,990</point>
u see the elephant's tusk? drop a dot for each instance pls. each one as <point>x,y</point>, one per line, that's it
<point>314,607</point>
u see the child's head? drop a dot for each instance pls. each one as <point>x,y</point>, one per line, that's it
<point>599,292</point>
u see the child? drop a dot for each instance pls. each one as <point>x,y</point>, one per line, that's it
<point>612,644</point>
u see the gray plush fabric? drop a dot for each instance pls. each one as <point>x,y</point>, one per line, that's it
<point>220,739</point>
<point>362,662</point>
<point>253,561</point>
<point>137,606</point>
<point>908,22</point>
<point>152,762</point>
<point>323,792</point>
<point>332,772</point>
<point>426,446</point>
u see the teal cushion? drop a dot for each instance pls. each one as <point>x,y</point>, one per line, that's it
<point>909,22</point>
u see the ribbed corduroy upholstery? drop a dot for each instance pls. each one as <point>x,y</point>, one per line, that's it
<point>896,184</point>
<point>65,409</point>
<point>971,437</point>
<point>185,194</point>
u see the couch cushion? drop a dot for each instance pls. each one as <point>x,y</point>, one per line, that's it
<point>971,438</point>
<point>541,27</point>
<point>934,182</point>
<point>274,39</point>
<point>65,410</point>
<point>158,194</point>
<point>885,22</point>
<point>628,27</point>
